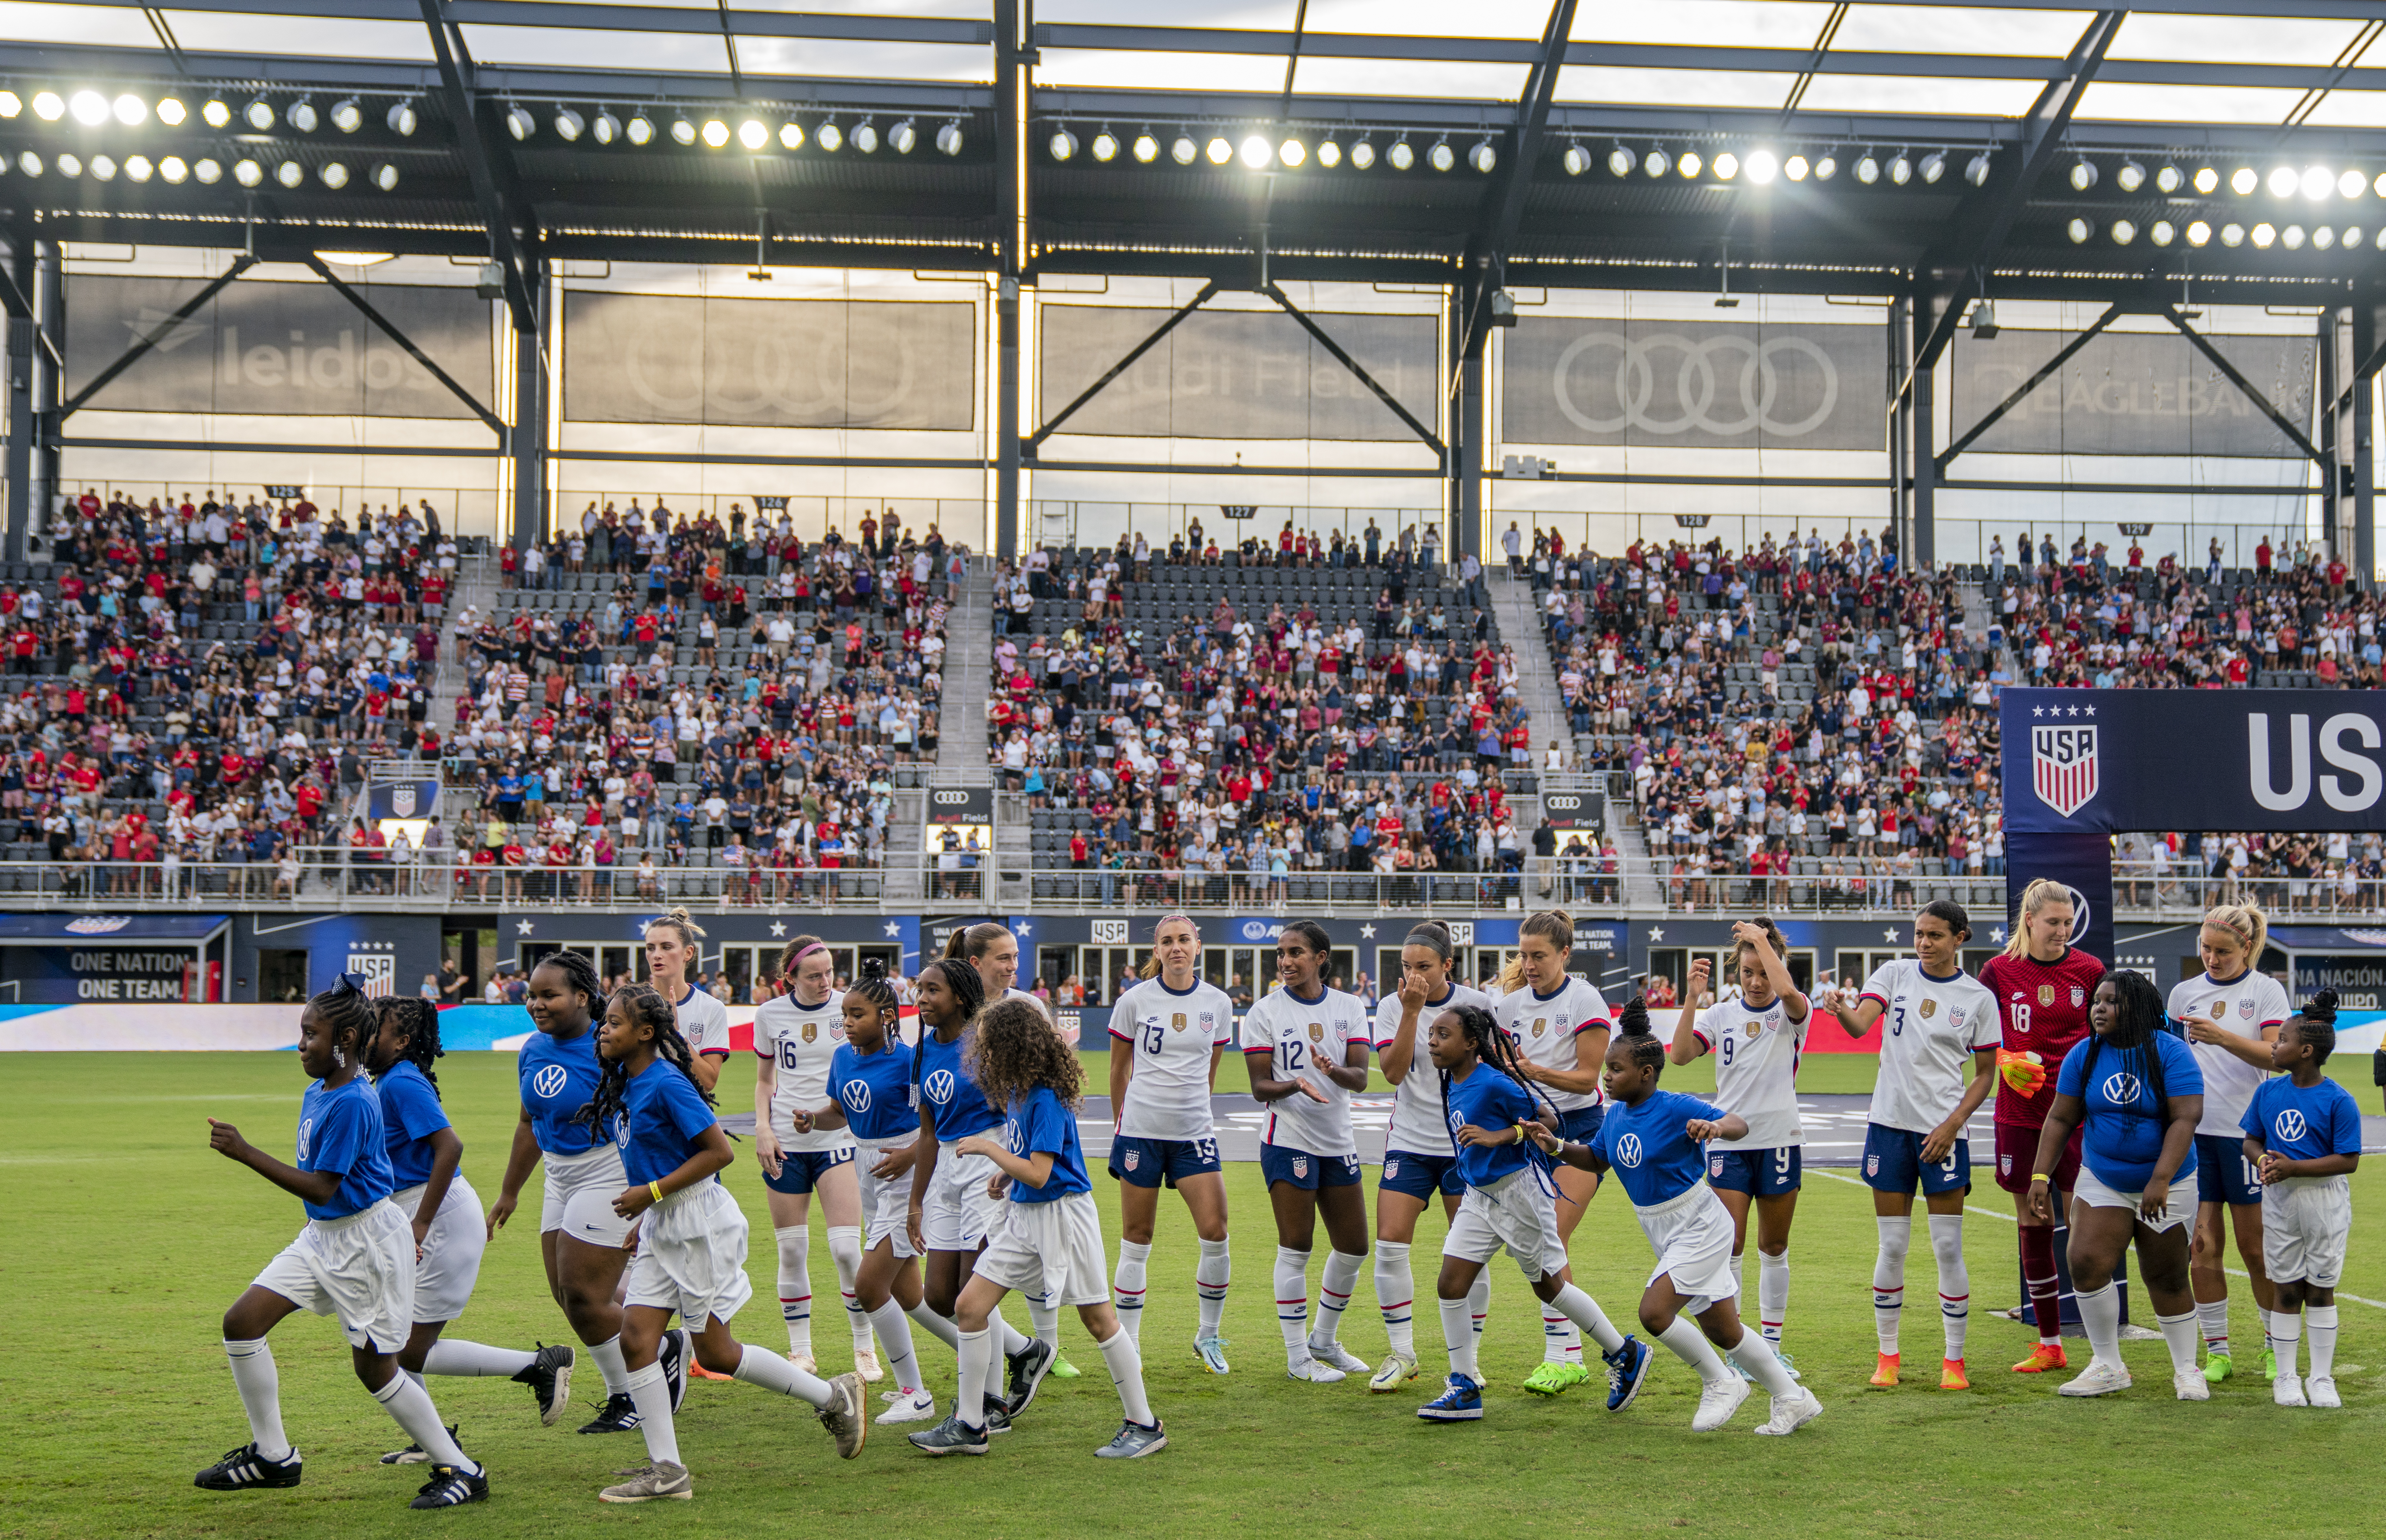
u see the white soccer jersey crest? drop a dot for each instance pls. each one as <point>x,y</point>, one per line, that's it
<point>1756,1069</point>
<point>1173,1036</point>
<point>704,1022</point>
<point>1299,1033</point>
<point>1928,1027</point>
<point>799,1041</point>
<point>1545,1029</point>
<point>2246,1006</point>
<point>1419,1125</point>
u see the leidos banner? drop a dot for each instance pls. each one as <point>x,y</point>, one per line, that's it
<point>2102,761</point>
<point>276,350</point>
<point>1701,384</point>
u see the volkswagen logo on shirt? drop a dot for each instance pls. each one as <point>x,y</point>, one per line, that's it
<point>940,1086</point>
<point>2121,1089</point>
<point>549,1080</point>
<point>856,1096</point>
<point>2289,1126</point>
<point>305,1136</point>
<point>1627,1150</point>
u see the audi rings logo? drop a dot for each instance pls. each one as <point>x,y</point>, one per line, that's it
<point>952,799</point>
<point>1562,802</point>
<point>1725,386</point>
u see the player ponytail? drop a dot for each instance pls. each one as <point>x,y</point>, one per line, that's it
<point>2247,923</point>
<point>2316,1024</point>
<point>2042,892</point>
<point>345,1012</point>
<point>419,1020</point>
<point>968,943</point>
<point>1633,1031</point>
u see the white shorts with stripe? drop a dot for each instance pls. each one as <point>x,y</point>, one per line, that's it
<point>1691,1236</point>
<point>885,1204</point>
<point>1054,1247</point>
<point>580,1194</point>
<point>2179,1209</point>
<point>1512,1214</point>
<point>958,1214</point>
<point>451,1249</point>
<point>359,1268</point>
<point>692,1255</point>
<point>2305,1222</point>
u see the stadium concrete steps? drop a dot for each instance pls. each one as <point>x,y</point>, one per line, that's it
<point>1014,854</point>
<point>1536,675</point>
<point>969,653</point>
<point>1978,612</point>
<point>905,841</point>
<point>476,590</point>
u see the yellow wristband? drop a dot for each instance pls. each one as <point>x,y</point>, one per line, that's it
<point>2037,1177</point>
<point>657,1189</point>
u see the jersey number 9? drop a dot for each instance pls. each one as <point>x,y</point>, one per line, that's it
<point>1724,1046</point>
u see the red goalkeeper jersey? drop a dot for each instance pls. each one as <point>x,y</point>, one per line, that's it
<point>2043,1009</point>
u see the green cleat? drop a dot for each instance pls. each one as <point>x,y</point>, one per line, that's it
<point>1556,1379</point>
<point>2269,1364</point>
<point>2218,1367</point>
<point>1063,1370</point>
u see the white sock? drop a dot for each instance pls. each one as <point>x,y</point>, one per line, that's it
<point>1888,1277</point>
<point>1292,1301</point>
<point>449,1356</point>
<point>650,1392</point>
<point>2100,1313</point>
<point>1756,1355</point>
<point>940,1327</point>
<point>611,1365</point>
<point>2323,1344</point>
<point>977,1350</point>
<point>260,1394</point>
<point>1772,1293</point>
<point>1334,1287</point>
<point>796,1285</point>
<point>1395,1296</point>
<point>1479,1300</point>
<point>1457,1335</point>
<point>1216,1271</point>
<point>1740,1275</point>
<point>2285,1330</point>
<point>895,1331</point>
<point>2179,1336</point>
<point>845,1250</point>
<point>1582,1311</point>
<point>1560,1342</point>
<point>1045,1316</point>
<point>774,1372</point>
<point>406,1401</point>
<point>1126,1373</point>
<point>1126,1287</point>
<point>2213,1319</point>
<point>1954,1281</point>
<point>1692,1346</point>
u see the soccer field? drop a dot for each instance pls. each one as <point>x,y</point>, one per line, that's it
<point>125,1240</point>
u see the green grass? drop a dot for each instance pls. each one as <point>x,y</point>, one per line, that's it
<point>125,1239</point>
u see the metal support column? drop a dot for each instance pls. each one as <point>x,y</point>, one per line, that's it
<point>21,512</point>
<point>1921,553</point>
<point>527,442</point>
<point>49,379</point>
<point>1466,459</point>
<point>2365,510</point>
<point>1006,418</point>
<point>1013,61</point>
<point>1900,405</point>
<point>2334,513</point>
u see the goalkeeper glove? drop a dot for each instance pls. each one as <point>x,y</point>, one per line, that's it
<point>2021,1069</point>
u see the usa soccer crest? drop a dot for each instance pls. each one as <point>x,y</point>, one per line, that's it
<point>1300,1166</point>
<point>1714,1166</point>
<point>1872,1165</point>
<point>402,801</point>
<point>1392,1169</point>
<point>2046,995</point>
<point>1132,1157</point>
<point>1955,1016</point>
<point>2004,1162</point>
<point>2079,996</point>
<point>2063,766</point>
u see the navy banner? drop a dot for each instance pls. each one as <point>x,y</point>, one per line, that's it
<point>2082,863</point>
<point>2102,761</point>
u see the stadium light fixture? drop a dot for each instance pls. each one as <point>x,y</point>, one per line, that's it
<point>639,129</point>
<point>259,115</point>
<point>569,125</point>
<point>2283,181</point>
<point>2129,177</point>
<point>2163,232</point>
<point>1901,168</point>
<point>174,169</point>
<point>1220,149</point>
<point>48,105</point>
<point>715,133</point>
<point>2352,236</point>
<point>2351,184</point>
<point>1934,166</point>
<point>605,128</point>
<point>2080,229</point>
<point>2317,182</point>
<point>1362,155</point>
<point>1441,158</point>
<point>1868,169</point>
<point>2243,179</point>
<point>69,164</point>
<point>303,116</point>
<point>1483,157</point>
<point>1183,151</point>
<point>791,136</point>
<point>139,168</point>
<point>347,116</point>
<point>90,108</point>
<point>10,103</point>
<point>903,137</point>
<point>2083,174</point>
<point>865,137</point>
<point>1257,154</point>
<point>385,177</point>
<point>1329,154</point>
<point>103,167</point>
<point>2168,179</point>
<point>1689,165</point>
<point>290,174</point>
<point>1621,161</point>
<point>2124,231</point>
<point>2199,234</point>
<point>1726,167</point>
<point>1827,166</point>
<point>754,134</point>
<point>1292,155</point>
<point>1577,160</point>
<point>1762,166</point>
<point>1656,163</point>
<point>2206,181</point>
<point>1975,170</point>
<point>1401,154</point>
<point>1797,167</point>
<point>2323,237</point>
<point>520,123</point>
<point>129,109</point>
<point>1062,144</point>
<point>683,133</point>
<point>2292,237</point>
<point>29,163</point>
<point>2266,235</point>
<point>334,175</point>
<point>1146,149</point>
<point>1105,146</point>
<point>247,172</point>
<point>949,138</point>
<point>209,169</point>
<point>401,118</point>
<point>829,137</point>
<point>2232,234</point>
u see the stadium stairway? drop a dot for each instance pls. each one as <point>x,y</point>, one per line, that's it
<point>905,839</point>
<point>1979,610</point>
<point>476,591</point>
<point>969,653</point>
<point>1537,677</point>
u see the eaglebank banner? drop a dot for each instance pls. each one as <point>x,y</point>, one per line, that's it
<point>2106,761</point>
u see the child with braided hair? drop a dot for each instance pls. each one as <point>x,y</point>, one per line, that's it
<point>1510,1204</point>
<point>691,1241</point>
<point>354,1260</point>
<point>424,1158</point>
<point>1653,1140</point>
<point>2303,1132</point>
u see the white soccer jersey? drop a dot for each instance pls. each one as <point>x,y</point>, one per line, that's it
<point>1420,1125</point>
<point>1545,1027</point>
<point>1756,1069</point>
<point>1175,1037</point>
<point>2246,1006</point>
<point>704,1022</point>
<point>1929,1027</point>
<point>1296,1032</point>
<point>799,1041</point>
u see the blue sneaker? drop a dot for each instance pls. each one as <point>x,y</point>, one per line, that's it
<point>1463,1402</point>
<point>1627,1370</point>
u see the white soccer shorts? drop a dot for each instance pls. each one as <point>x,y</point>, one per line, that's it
<point>885,1205</point>
<point>359,1268</point>
<point>1691,1236</point>
<point>2305,1222</point>
<point>451,1250</point>
<point>580,1194</point>
<point>692,1255</point>
<point>959,1215</point>
<point>1056,1246</point>
<point>2179,1208</point>
<point>1514,1214</point>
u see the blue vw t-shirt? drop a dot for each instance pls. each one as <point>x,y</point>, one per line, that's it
<point>663,1117</point>
<point>2304,1122</point>
<point>874,1090</point>
<point>1039,1123</point>
<point>1648,1149</point>
<point>558,1078</point>
<point>1490,1101</point>
<point>410,1114</point>
<point>341,1131</point>
<point>950,1096</point>
<point>2123,1121</point>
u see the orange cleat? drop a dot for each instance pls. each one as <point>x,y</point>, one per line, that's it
<point>698,1371</point>
<point>2044,1357</point>
<point>1952,1375</point>
<point>1884,1376</point>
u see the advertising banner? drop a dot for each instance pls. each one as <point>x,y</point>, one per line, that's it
<point>2132,393</point>
<point>1699,384</point>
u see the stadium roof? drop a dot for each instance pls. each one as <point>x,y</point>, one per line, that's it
<point>1765,144</point>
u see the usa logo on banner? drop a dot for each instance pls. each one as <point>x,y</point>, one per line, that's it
<point>2063,766</point>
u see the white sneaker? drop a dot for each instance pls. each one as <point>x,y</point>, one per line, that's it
<point>2192,1385</point>
<point>1717,1402</point>
<point>865,1363</point>
<point>1342,1357</point>
<point>1792,1413</point>
<point>909,1406</point>
<point>2098,1379</point>
<point>2320,1391</point>
<point>1397,1370</point>
<point>2288,1391</point>
<point>804,1362</point>
<point>1313,1372</point>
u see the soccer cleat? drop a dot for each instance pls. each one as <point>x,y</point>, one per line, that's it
<point>243,1468</point>
<point>549,1378</point>
<point>619,1415</point>
<point>843,1417</point>
<point>908,1406</point>
<point>675,1355</point>
<point>2286,1391</point>
<point>2044,1358</point>
<point>1791,1413</point>
<point>698,1371</point>
<point>1313,1372</point>
<point>1396,1370</point>
<point>1788,1364</point>
<point>804,1360</point>
<point>648,1483</point>
<point>2269,1364</point>
<point>1338,1356</point>
<point>1463,1402</point>
<point>1718,1400</point>
<point>1884,1373</point>
<point>450,1486</point>
<point>2320,1391</point>
<point>2190,1385</point>
<point>1627,1370</point>
<point>951,1436</point>
<point>2098,1379</point>
<point>1134,1442</point>
<point>1028,1367</point>
<point>1553,1378</point>
<point>2218,1367</point>
<point>1212,1351</point>
<point>1062,1368</point>
<point>1952,1375</point>
<point>865,1363</point>
<point>412,1453</point>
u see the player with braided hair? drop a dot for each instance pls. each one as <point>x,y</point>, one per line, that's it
<point>424,1158</point>
<point>2303,1132</point>
<point>691,1241</point>
<point>354,1260</point>
<point>1652,1140</point>
<point>1510,1204</point>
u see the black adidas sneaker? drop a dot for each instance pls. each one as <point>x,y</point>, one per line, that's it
<point>620,1416</point>
<point>243,1468</point>
<point>549,1378</point>
<point>451,1487</point>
